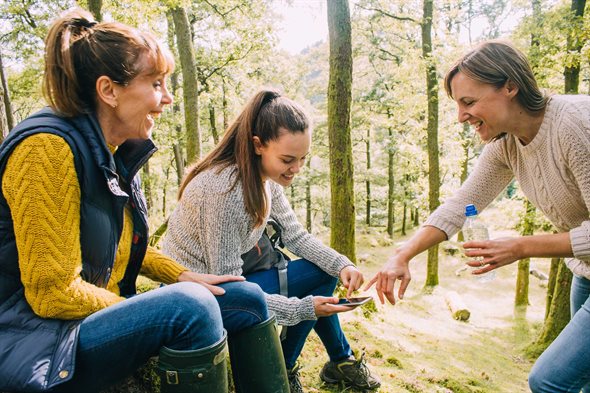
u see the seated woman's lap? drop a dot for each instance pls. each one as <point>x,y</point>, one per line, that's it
<point>115,341</point>
<point>303,278</point>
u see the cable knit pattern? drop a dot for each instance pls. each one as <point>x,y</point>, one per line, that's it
<point>210,229</point>
<point>553,171</point>
<point>42,190</point>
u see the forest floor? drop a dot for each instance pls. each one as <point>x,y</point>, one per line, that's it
<point>416,345</point>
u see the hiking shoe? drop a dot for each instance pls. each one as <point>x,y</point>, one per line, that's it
<point>351,372</point>
<point>294,382</point>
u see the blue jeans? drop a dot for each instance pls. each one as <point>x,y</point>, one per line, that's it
<point>242,306</point>
<point>117,340</point>
<point>304,278</point>
<point>565,364</point>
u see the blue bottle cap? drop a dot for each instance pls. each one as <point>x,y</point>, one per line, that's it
<point>470,210</point>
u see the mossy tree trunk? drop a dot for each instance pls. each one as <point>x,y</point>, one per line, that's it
<point>521,297</point>
<point>432,131</point>
<point>368,179</point>
<point>176,147</point>
<point>575,41</point>
<point>559,311</point>
<point>390,185</point>
<point>3,116</point>
<point>95,7</point>
<point>551,284</point>
<point>213,123</point>
<point>8,115</point>
<point>342,234</point>
<point>190,94</point>
<point>308,216</point>
<point>466,144</point>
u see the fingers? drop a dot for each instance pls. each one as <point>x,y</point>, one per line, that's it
<point>379,289</point>
<point>370,283</point>
<point>353,284</point>
<point>215,279</point>
<point>389,290</point>
<point>217,291</point>
<point>403,286</point>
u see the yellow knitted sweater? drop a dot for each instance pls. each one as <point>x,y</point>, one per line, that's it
<point>41,187</point>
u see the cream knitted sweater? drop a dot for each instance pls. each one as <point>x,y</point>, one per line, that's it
<point>553,171</point>
<point>210,229</point>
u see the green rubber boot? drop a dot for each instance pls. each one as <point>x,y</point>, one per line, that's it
<point>257,360</point>
<point>198,371</point>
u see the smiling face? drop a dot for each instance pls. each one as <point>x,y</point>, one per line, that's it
<point>484,106</point>
<point>282,159</point>
<point>138,104</point>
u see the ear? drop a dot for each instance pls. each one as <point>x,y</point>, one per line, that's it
<point>106,91</point>
<point>511,89</point>
<point>258,146</point>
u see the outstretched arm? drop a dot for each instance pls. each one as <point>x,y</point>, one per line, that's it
<point>397,267</point>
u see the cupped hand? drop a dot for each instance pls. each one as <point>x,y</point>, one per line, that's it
<point>395,269</point>
<point>326,306</point>
<point>492,254</point>
<point>351,278</point>
<point>209,281</point>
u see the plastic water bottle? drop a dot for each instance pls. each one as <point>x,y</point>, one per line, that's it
<point>475,229</point>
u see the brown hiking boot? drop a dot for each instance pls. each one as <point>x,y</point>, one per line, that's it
<point>351,372</point>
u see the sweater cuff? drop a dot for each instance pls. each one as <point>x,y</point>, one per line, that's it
<point>580,240</point>
<point>439,223</point>
<point>307,309</point>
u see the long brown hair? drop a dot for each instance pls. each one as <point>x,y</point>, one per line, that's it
<point>78,51</point>
<point>264,116</point>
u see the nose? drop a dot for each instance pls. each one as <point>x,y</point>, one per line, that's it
<point>295,168</point>
<point>462,115</point>
<point>167,98</point>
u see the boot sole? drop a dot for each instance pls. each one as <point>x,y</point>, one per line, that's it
<point>346,383</point>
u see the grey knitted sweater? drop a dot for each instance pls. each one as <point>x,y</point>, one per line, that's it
<point>553,171</point>
<point>210,229</point>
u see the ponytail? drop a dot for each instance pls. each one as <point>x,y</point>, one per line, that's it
<point>78,50</point>
<point>263,116</point>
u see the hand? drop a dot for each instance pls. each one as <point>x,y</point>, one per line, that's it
<point>495,253</point>
<point>351,278</point>
<point>326,306</point>
<point>209,281</point>
<point>396,268</point>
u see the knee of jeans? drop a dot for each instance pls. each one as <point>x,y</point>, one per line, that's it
<point>193,296</point>
<point>536,379</point>
<point>255,298</point>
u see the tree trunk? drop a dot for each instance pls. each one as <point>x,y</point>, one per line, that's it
<point>521,297</point>
<point>574,46</point>
<point>176,148</point>
<point>368,181</point>
<point>7,105</point>
<point>147,187</point>
<point>432,130</point>
<point>308,217</point>
<point>404,218</point>
<point>551,284</point>
<point>3,115</point>
<point>559,312</point>
<point>342,235</point>
<point>465,164</point>
<point>214,132</point>
<point>390,185</point>
<point>224,106</point>
<point>95,7</point>
<point>190,89</point>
